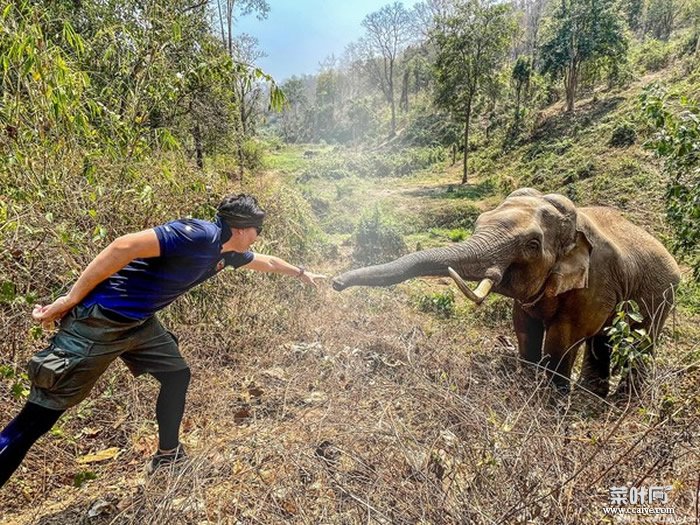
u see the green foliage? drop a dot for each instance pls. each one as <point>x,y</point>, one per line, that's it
<point>340,163</point>
<point>581,32</point>
<point>653,55</point>
<point>377,240</point>
<point>688,296</point>
<point>630,347</point>
<point>676,138</point>
<point>117,80</point>
<point>457,234</point>
<point>253,153</point>
<point>471,46</point>
<point>427,127</point>
<point>81,477</point>
<point>623,135</point>
<point>441,304</point>
<point>661,16</point>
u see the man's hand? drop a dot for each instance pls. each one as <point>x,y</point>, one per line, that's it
<point>46,315</point>
<point>311,278</point>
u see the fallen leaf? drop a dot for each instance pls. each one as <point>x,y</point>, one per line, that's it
<point>241,415</point>
<point>102,455</point>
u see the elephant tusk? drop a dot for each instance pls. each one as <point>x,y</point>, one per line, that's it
<point>478,295</point>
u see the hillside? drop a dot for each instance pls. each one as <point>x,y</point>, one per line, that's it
<point>400,405</point>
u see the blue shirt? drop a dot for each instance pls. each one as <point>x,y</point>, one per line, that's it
<point>190,252</point>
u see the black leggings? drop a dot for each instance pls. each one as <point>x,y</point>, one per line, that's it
<point>171,406</point>
<point>30,424</point>
<point>34,421</point>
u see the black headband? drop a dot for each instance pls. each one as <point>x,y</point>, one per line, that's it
<point>234,220</point>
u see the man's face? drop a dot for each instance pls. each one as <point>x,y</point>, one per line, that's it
<point>243,238</point>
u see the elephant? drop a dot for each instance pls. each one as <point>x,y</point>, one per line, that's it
<point>566,268</point>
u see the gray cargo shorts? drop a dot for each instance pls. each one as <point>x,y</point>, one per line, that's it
<point>87,341</point>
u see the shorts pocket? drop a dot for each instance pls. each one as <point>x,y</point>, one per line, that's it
<point>48,367</point>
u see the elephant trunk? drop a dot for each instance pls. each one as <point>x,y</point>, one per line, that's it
<point>476,259</point>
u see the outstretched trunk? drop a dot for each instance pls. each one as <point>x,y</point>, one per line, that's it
<point>479,257</point>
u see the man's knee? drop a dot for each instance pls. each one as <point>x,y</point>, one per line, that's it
<point>179,379</point>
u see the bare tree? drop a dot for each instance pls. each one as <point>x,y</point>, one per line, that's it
<point>388,31</point>
<point>248,90</point>
<point>429,13</point>
<point>225,12</point>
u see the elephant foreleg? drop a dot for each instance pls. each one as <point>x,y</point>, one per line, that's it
<point>530,334</point>
<point>595,373</point>
<point>561,344</point>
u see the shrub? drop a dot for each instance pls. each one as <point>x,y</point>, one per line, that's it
<point>654,55</point>
<point>457,235</point>
<point>341,164</point>
<point>253,153</point>
<point>622,136</point>
<point>441,304</point>
<point>376,240</point>
<point>676,123</point>
<point>631,347</point>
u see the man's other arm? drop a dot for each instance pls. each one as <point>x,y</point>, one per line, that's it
<point>113,258</point>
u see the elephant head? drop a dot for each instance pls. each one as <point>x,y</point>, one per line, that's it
<point>529,246</point>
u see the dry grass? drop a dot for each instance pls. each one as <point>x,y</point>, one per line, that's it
<point>357,409</point>
<point>316,407</point>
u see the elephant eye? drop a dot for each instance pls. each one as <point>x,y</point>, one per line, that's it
<point>533,244</point>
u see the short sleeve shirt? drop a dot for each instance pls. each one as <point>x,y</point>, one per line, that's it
<point>190,253</point>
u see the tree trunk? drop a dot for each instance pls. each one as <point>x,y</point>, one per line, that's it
<point>454,154</point>
<point>404,92</point>
<point>198,150</point>
<point>466,142</point>
<point>393,114</point>
<point>570,81</point>
<point>392,102</point>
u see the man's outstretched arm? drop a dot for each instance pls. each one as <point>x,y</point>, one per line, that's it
<point>113,258</point>
<point>271,264</point>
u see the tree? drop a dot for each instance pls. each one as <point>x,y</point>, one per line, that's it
<point>292,121</point>
<point>521,77</point>
<point>247,88</point>
<point>388,31</point>
<point>661,17</point>
<point>634,11</point>
<point>471,46</point>
<point>675,122</point>
<point>226,13</point>
<point>582,31</point>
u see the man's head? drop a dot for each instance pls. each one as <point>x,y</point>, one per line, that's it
<point>242,214</point>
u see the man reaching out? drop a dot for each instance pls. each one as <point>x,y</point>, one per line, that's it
<point>110,312</point>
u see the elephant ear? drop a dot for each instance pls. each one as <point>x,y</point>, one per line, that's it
<point>567,218</point>
<point>570,272</point>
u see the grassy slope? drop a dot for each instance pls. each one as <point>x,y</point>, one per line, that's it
<point>320,407</point>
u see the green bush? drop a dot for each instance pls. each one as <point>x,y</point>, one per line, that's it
<point>675,121</point>
<point>341,164</point>
<point>457,235</point>
<point>377,240</point>
<point>253,153</point>
<point>630,347</point>
<point>622,136</point>
<point>654,55</point>
<point>441,304</point>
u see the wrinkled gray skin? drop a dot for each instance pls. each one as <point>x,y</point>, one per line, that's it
<point>566,269</point>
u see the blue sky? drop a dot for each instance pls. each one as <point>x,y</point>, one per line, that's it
<point>298,34</point>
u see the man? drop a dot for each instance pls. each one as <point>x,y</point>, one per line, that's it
<point>109,313</point>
